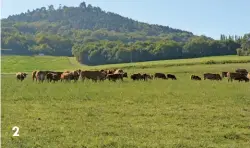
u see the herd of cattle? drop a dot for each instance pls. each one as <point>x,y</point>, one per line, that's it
<point>119,74</point>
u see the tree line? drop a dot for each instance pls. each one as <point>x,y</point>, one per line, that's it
<point>107,52</point>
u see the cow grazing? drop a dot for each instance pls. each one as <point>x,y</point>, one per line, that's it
<point>160,75</point>
<point>21,76</point>
<point>194,77</point>
<point>236,76</point>
<point>211,76</point>
<point>224,74</point>
<point>170,76</point>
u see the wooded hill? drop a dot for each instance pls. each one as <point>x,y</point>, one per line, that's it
<point>98,37</point>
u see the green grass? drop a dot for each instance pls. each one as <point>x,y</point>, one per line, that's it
<point>13,64</point>
<point>157,113</point>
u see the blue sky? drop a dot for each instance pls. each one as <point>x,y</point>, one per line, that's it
<point>208,17</point>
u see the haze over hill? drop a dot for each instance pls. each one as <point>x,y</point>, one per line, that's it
<point>94,37</point>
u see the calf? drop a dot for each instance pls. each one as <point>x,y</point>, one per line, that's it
<point>170,76</point>
<point>21,76</point>
<point>194,77</point>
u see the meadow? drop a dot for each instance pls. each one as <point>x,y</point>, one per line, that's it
<point>13,64</point>
<point>156,113</point>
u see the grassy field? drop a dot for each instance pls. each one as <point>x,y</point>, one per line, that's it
<point>157,113</point>
<point>13,64</point>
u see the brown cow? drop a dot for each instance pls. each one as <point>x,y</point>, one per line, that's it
<point>40,76</point>
<point>21,76</point>
<point>194,77</point>
<point>34,75</point>
<point>93,75</point>
<point>160,75</point>
<point>236,76</point>
<point>70,75</point>
<point>211,76</point>
<point>66,76</point>
<point>53,76</point>
<point>170,76</point>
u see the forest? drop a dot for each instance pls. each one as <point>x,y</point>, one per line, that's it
<point>95,37</point>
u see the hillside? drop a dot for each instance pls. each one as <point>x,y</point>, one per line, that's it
<point>97,37</point>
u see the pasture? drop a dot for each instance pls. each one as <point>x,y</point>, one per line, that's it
<point>156,113</point>
<point>13,64</point>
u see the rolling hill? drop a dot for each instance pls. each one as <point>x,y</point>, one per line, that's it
<point>96,37</point>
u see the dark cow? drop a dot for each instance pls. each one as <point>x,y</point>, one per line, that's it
<point>242,79</point>
<point>93,75</point>
<point>211,76</point>
<point>21,76</point>
<point>53,76</point>
<point>146,76</point>
<point>242,71</point>
<point>136,76</point>
<point>194,77</point>
<point>224,74</point>
<point>115,76</point>
<point>170,76</point>
<point>160,75</point>
<point>236,76</point>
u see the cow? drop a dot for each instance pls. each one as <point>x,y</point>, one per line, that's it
<point>34,75</point>
<point>160,75</point>
<point>194,77</point>
<point>115,76</point>
<point>211,76</point>
<point>224,74</point>
<point>236,76</point>
<point>21,76</point>
<point>170,76</point>
<point>70,75</point>
<point>136,76</point>
<point>93,75</point>
<point>53,76</point>
<point>146,76</point>
<point>243,78</point>
<point>66,76</point>
<point>40,76</point>
<point>242,71</point>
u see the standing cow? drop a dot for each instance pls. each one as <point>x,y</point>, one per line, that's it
<point>21,76</point>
